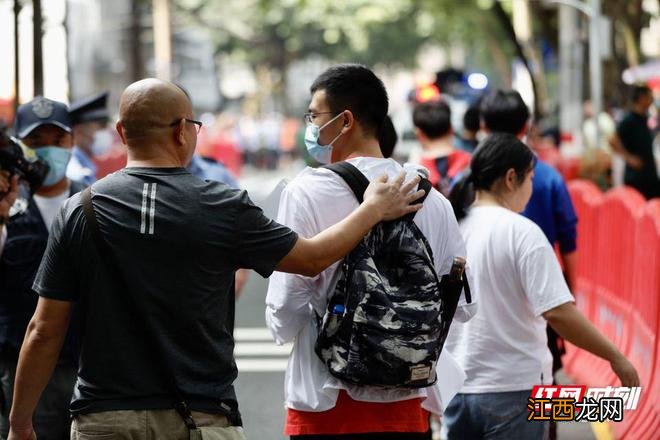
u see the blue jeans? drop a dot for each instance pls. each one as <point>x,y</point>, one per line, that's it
<point>492,416</point>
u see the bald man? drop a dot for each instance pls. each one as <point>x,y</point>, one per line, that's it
<point>177,242</point>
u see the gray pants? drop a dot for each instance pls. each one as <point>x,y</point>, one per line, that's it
<point>51,418</point>
<point>161,424</point>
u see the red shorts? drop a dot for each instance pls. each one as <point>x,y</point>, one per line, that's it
<point>354,417</point>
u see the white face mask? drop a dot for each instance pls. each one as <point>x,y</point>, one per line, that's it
<point>102,142</point>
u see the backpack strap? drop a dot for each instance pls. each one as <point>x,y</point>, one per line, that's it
<point>352,176</point>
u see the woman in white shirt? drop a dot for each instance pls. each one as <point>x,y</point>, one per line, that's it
<point>503,349</point>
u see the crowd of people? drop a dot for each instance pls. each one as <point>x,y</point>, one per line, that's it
<point>118,295</point>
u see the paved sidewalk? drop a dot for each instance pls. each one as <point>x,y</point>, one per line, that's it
<point>573,430</point>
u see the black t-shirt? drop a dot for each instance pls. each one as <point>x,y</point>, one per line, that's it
<point>637,139</point>
<point>178,241</point>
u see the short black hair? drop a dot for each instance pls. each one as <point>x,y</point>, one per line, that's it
<point>471,119</point>
<point>356,88</point>
<point>387,137</point>
<point>504,111</point>
<point>637,91</point>
<point>433,118</point>
<point>494,156</point>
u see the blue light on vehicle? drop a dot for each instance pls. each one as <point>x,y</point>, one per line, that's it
<point>477,81</point>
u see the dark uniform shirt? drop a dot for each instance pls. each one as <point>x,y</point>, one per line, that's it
<point>637,139</point>
<point>178,241</point>
<point>27,236</point>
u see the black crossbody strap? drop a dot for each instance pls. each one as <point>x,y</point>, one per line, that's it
<point>110,261</point>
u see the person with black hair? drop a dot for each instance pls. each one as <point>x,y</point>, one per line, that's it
<point>504,111</point>
<point>387,137</point>
<point>348,106</point>
<point>517,278</point>
<point>45,126</point>
<point>432,120</point>
<point>467,140</point>
<point>634,142</point>
<point>550,205</point>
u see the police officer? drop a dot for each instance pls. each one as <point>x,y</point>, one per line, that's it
<point>43,125</point>
<point>208,169</point>
<point>91,135</point>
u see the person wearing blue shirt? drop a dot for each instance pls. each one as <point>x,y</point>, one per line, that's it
<point>552,209</point>
<point>81,167</point>
<point>91,135</point>
<point>550,206</point>
<point>209,169</point>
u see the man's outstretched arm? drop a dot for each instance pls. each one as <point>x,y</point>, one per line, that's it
<point>382,201</point>
<point>39,353</point>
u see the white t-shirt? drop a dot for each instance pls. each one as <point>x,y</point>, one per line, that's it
<point>50,206</point>
<point>517,278</point>
<point>315,200</point>
<point>607,129</point>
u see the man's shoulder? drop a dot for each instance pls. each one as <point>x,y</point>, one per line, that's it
<point>436,205</point>
<point>313,180</point>
<point>626,122</point>
<point>546,175</point>
<point>544,169</point>
<point>71,214</point>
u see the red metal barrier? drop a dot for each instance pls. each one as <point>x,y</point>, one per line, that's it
<point>587,198</point>
<point>618,218</point>
<point>644,348</point>
<point>618,289</point>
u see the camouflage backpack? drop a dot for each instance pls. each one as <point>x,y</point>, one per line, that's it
<point>388,316</point>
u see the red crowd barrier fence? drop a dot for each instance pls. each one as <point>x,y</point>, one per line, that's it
<point>617,287</point>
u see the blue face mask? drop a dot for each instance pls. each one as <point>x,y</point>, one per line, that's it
<point>320,153</point>
<point>57,159</point>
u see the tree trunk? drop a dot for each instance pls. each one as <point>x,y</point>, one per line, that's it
<point>627,27</point>
<point>17,64</point>
<point>505,21</point>
<point>136,71</point>
<point>37,34</point>
<point>500,59</point>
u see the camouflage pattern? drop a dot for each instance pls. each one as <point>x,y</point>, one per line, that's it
<point>396,318</point>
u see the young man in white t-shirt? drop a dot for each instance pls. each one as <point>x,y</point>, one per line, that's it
<point>347,108</point>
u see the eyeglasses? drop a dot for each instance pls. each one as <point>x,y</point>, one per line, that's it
<point>309,117</point>
<point>192,121</point>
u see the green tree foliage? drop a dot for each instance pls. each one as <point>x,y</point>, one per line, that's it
<point>273,33</point>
